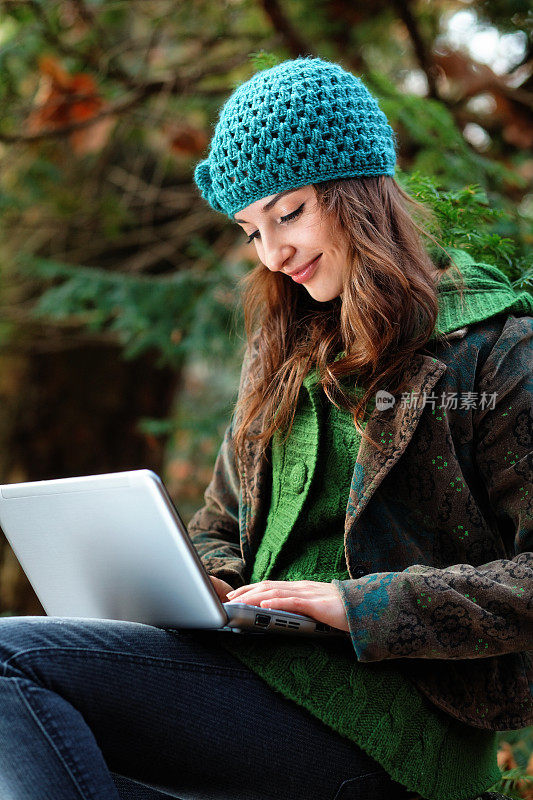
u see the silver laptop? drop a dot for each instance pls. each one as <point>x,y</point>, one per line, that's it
<point>114,547</point>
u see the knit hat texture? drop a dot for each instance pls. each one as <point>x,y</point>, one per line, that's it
<point>303,121</point>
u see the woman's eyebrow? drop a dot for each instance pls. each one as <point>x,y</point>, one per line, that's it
<point>272,203</point>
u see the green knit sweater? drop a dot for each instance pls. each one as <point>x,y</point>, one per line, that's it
<point>373,704</point>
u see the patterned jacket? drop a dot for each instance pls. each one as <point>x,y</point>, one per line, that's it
<point>438,528</point>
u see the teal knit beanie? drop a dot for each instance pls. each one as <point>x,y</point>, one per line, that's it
<point>303,121</point>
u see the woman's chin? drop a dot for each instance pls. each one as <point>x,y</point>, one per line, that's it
<point>322,295</point>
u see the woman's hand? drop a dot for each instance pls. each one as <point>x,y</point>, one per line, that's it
<point>315,599</point>
<point>221,588</point>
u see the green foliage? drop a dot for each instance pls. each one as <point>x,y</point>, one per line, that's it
<point>464,218</point>
<point>511,783</point>
<point>439,151</point>
<point>157,427</point>
<point>526,281</point>
<point>508,15</point>
<point>264,60</point>
<point>259,61</point>
<point>437,145</point>
<point>179,316</point>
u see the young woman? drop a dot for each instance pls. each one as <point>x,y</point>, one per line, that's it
<point>376,475</point>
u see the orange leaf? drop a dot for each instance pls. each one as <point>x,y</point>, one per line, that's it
<point>50,66</point>
<point>64,99</point>
<point>185,140</point>
<point>505,757</point>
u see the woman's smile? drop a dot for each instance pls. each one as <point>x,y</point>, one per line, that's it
<point>307,273</point>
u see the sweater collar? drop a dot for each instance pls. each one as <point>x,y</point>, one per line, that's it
<point>487,291</point>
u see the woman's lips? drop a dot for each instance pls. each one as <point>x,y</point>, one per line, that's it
<point>305,274</point>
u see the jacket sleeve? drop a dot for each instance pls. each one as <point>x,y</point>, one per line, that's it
<point>464,611</point>
<point>214,528</point>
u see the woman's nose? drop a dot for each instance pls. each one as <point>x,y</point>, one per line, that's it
<point>275,256</point>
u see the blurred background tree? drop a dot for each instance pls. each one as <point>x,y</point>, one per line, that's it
<point>120,329</point>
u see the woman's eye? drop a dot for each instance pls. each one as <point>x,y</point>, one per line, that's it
<point>293,214</point>
<point>287,218</point>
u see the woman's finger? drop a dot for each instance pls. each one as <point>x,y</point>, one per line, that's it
<point>255,595</point>
<point>262,585</point>
<point>287,604</point>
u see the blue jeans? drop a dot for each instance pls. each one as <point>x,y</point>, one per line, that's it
<point>102,710</point>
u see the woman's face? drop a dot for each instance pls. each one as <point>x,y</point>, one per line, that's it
<point>289,231</point>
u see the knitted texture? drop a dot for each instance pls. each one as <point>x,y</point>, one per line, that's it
<point>373,705</point>
<point>308,548</point>
<point>303,121</point>
<point>487,291</point>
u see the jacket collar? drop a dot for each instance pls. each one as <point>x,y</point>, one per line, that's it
<point>393,428</point>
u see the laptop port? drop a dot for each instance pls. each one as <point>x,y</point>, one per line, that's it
<point>294,625</point>
<point>262,620</point>
<point>281,622</point>
<point>321,626</point>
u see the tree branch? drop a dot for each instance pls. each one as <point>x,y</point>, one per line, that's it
<point>173,85</point>
<point>118,107</point>
<point>421,52</point>
<point>281,24</point>
<point>348,15</point>
<point>115,71</point>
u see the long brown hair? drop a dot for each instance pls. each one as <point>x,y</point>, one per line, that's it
<point>387,311</point>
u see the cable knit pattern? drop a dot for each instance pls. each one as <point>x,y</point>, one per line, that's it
<point>377,708</point>
<point>303,121</point>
